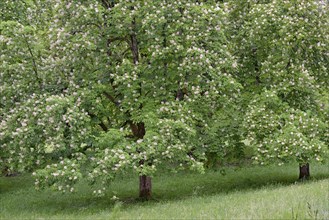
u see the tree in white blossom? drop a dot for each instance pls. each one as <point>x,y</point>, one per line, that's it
<point>117,86</point>
<point>283,49</point>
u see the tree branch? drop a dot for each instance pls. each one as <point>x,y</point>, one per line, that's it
<point>101,124</point>
<point>108,3</point>
<point>35,68</point>
<point>111,98</point>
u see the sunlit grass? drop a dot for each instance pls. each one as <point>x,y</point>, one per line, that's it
<point>245,193</point>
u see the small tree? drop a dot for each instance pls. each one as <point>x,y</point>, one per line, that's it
<point>280,133</point>
<point>283,58</point>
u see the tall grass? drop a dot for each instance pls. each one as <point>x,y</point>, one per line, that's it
<point>242,193</point>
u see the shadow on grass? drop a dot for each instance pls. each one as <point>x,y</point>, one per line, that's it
<point>9,184</point>
<point>18,194</point>
<point>213,182</point>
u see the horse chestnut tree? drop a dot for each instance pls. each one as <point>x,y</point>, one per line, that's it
<point>103,87</point>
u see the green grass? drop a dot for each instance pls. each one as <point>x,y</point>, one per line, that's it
<point>246,193</point>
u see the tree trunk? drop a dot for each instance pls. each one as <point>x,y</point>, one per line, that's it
<point>304,171</point>
<point>145,184</point>
<point>145,187</point>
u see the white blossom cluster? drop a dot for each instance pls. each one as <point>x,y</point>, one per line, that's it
<point>60,176</point>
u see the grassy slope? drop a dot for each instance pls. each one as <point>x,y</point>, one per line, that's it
<point>254,193</point>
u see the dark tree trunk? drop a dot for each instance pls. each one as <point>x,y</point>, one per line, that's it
<point>138,129</point>
<point>304,171</point>
<point>145,183</point>
<point>145,187</point>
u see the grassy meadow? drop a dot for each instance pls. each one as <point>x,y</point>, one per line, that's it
<point>270,192</point>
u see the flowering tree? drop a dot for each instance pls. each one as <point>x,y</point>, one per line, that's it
<point>283,60</point>
<point>103,87</point>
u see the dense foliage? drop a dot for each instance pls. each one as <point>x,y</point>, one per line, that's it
<point>90,89</point>
<point>283,57</point>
